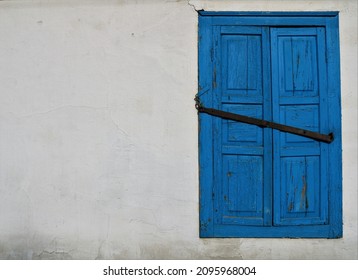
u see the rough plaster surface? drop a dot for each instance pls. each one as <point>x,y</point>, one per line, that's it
<point>98,132</point>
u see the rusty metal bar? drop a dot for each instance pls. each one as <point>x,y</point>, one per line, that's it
<point>327,138</point>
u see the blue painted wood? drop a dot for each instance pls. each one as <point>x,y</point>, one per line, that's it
<point>240,134</point>
<point>238,148</point>
<point>205,129</point>
<point>267,115</point>
<point>306,231</point>
<point>334,122</point>
<point>257,182</point>
<point>268,21</point>
<point>270,14</point>
<point>300,196</point>
<point>242,193</point>
<point>241,63</point>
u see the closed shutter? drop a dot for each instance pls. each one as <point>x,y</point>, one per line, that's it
<point>260,182</point>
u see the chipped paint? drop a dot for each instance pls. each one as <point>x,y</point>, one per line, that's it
<point>304,199</point>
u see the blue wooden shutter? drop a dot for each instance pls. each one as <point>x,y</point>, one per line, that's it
<point>242,152</point>
<point>299,96</point>
<point>257,182</point>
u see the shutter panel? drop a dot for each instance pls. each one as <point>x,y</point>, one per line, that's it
<point>299,99</point>
<point>241,190</point>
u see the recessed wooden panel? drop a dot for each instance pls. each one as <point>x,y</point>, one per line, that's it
<point>238,133</point>
<point>298,65</point>
<point>300,199</point>
<point>300,116</point>
<point>242,66</point>
<point>242,197</point>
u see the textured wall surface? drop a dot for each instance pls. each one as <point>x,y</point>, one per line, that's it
<point>98,132</point>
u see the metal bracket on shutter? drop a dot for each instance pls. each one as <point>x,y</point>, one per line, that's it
<point>327,138</point>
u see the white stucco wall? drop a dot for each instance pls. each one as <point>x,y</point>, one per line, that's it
<point>98,132</point>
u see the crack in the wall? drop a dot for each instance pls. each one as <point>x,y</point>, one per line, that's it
<point>64,107</point>
<point>55,255</point>
<point>192,5</point>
